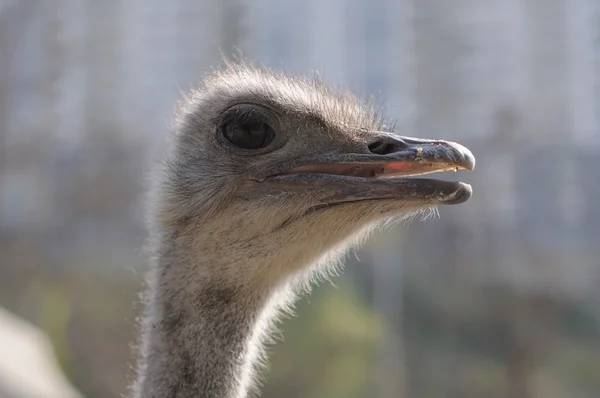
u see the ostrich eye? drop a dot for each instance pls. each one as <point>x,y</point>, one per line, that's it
<point>248,135</point>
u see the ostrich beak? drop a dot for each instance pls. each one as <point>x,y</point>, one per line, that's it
<point>358,176</point>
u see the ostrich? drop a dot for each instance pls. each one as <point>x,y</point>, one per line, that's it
<point>267,180</point>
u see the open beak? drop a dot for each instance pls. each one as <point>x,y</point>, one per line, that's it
<point>355,177</point>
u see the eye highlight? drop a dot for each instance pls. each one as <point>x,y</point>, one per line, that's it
<point>248,134</point>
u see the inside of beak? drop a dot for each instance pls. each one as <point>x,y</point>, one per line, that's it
<point>390,169</point>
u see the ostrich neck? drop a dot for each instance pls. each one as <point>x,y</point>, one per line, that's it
<point>201,335</point>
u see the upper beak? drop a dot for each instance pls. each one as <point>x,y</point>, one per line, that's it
<point>392,157</point>
<point>437,155</point>
<point>408,157</point>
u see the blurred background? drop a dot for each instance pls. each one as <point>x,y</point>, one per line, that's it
<point>498,298</point>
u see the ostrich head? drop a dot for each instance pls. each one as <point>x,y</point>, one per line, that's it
<point>272,172</point>
<point>267,179</point>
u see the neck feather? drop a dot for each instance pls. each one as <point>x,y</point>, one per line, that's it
<point>202,336</point>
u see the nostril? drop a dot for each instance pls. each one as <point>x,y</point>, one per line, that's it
<point>379,147</point>
<point>386,146</point>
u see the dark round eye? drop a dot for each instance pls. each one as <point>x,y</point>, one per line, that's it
<point>250,135</point>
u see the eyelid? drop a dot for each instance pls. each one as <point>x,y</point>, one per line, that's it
<point>248,111</point>
<point>246,116</point>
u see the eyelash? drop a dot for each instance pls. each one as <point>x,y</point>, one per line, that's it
<point>245,116</point>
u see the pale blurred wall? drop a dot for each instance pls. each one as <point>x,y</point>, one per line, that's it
<point>28,368</point>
